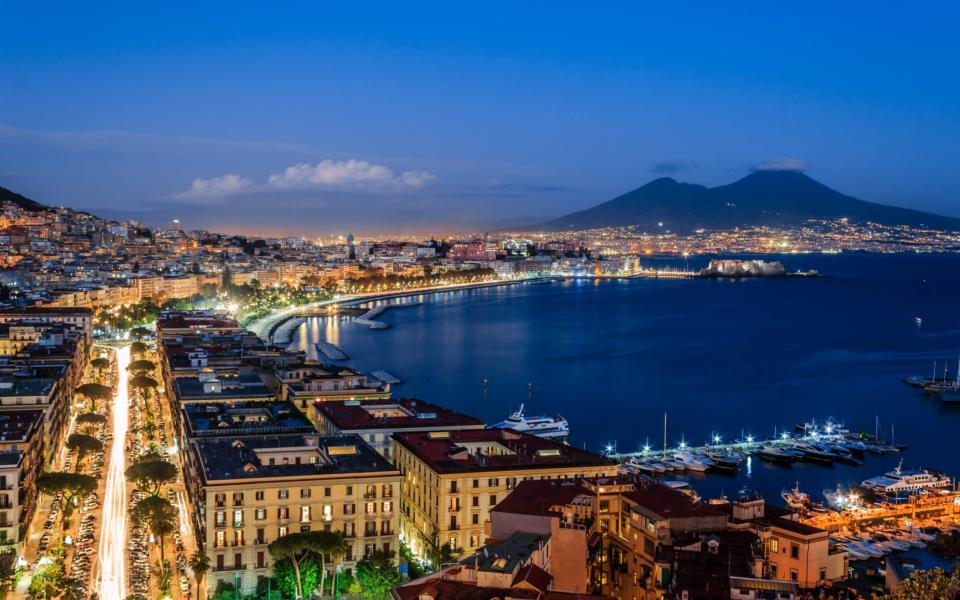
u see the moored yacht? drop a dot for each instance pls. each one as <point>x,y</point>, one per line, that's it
<point>552,428</point>
<point>900,481</point>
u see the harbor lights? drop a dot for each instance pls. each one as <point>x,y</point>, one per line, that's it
<point>749,439</point>
<point>716,439</point>
<point>646,448</point>
<point>683,445</point>
<point>784,435</point>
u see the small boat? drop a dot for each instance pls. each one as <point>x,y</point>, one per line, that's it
<point>778,455</point>
<point>794,498</point>
<point>899,480</point>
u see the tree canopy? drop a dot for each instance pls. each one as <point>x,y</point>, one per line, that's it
<point>150,473</point>
<point>158,515</point>
<point>139,333</point>
<point>83,444</point>
<point>377,575</point>
<point>138,348</point>
<point>141,365</point>
<point>933,584</point>
<point>95,391</point>
<point>91,418</point>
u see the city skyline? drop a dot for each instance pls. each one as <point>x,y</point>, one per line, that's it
<point>439,118</point>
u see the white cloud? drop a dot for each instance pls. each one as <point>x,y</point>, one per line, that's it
<point>215,188</point>
<point>351,174</point>
<point>783,164</point>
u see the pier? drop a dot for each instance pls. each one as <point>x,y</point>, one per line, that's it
<point>331,351</point>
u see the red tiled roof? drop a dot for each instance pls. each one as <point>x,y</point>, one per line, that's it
<point>352,415</point>
<point>669,503</point>
<point>448,455</point>
<point>539,496</point>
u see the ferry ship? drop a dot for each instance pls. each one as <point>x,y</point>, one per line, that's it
<point>900,481</point>
<point>552,428</point>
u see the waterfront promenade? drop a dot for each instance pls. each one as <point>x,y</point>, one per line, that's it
<point>266,326</point>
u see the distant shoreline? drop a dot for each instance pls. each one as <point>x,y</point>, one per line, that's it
<point>267,325</point>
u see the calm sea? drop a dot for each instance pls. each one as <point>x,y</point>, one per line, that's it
<point>718,356</point>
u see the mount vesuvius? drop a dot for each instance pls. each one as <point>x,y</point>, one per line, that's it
<point>774,198</point>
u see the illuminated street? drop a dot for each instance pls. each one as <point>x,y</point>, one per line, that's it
<point>111,584</point>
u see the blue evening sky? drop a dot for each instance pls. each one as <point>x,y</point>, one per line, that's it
<point>309,117</point>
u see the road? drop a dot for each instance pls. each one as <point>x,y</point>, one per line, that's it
<point>112,582</point>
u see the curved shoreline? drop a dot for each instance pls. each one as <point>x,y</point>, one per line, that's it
<point>266,326</point>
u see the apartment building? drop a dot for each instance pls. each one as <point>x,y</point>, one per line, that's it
<point>377,420</point>
<point>249,491</point>
<point>452,479</point>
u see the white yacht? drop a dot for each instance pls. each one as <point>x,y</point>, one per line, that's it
<point>552,428</point>
<point>900,481</point>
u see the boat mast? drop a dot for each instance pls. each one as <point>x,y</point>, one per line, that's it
<point>664,434</point>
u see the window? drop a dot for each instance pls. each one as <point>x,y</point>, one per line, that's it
<point>371,508</point>
<point>493,499</point>
<point>220,518</point>
<point>794,575</point>
<point>221,540</point>
<point>476,483</point>
<point>261,514</point>
<point>773,570</point>
<point>349,509</point>
<point>281,531</point>
<point>388,507</point>
<point>326,492</point>
<point>327,512</point>
<point>349,490</point>
<point>823,574</point>
<point>774,545</point>
<point>304,514</point>
<point>259,495</point>
<point>453,487</point>
<point>305,492</point>
<point>476,518</point>
<point>493,482</point>
<point>238,518</point>
<point>283,494</point>
<point>794,551</point>
<point>261,537</point>
<point>476,500</point>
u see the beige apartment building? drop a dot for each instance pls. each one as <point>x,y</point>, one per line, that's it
<point>248,492</point>
<point>452,479</point>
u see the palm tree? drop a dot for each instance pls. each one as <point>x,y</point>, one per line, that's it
<point>200,564</point>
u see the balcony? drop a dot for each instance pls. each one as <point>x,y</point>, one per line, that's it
<point>370,495</point>
<point>220,524</point>
<point>222,568</point>
<point>238,523</point>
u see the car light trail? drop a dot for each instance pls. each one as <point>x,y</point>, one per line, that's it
<point>112,582</point>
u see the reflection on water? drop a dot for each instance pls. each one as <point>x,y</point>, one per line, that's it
<point>719,356</point>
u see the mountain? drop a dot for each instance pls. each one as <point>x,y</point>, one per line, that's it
<point>778,198</point>
<point>21,201</point>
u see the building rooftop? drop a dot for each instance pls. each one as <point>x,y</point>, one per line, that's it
<point>16,425</point>
<point>435,588</point>
<point>470,450</point>
<point>200,320</point>
<point>542,497</point>
<point>400,413</point>
<point>663,502</point>
<point>23,386</point>
<point>505,556</point>
<point>214,388</point>
<point>296,456</point>
<point>245,418</point>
